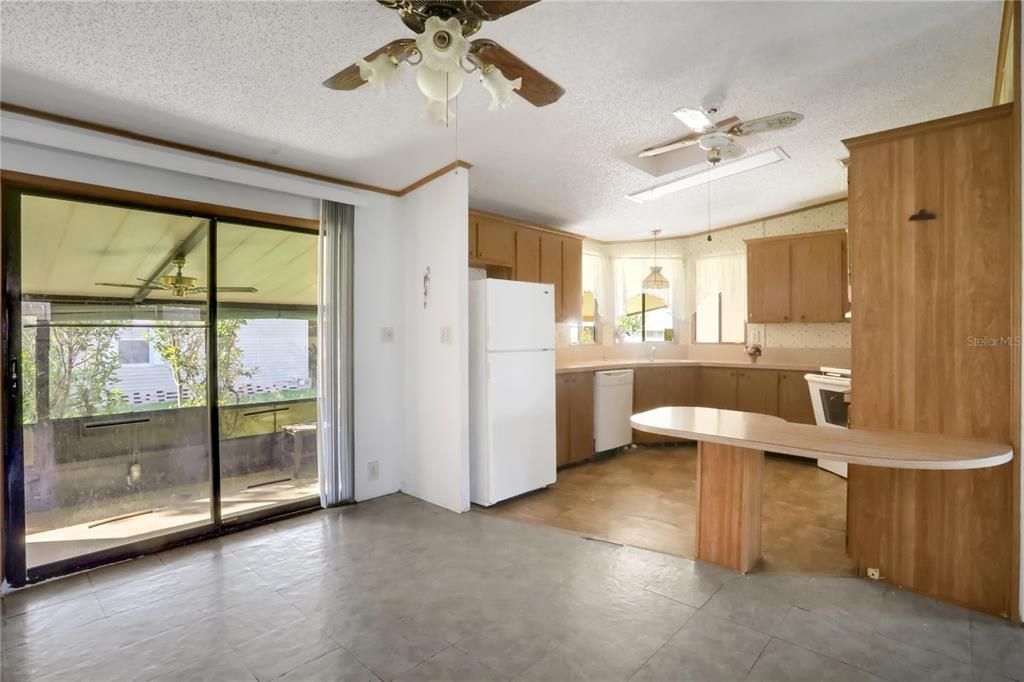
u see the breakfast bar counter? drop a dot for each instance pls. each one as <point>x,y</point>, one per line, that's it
<point>730,465</point>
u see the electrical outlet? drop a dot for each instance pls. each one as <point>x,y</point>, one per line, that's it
<point>755,335</point>
<point>446,335</point>
<point>387,334</point>
<point>874,574</point>
<point>373,470</point>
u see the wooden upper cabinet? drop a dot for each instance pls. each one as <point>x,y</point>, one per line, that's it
<point>795,398</point>
<point>797,279</point>
<point>527,255</point>
<point>757,390</point>
<point>495,241</point>
<point>818,277</point>
<point>572,280</point>
<point>768,281</point>
<point>514,250</point>
<point>551,268</point>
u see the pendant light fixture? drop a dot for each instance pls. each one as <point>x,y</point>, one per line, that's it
<point>655,282</point>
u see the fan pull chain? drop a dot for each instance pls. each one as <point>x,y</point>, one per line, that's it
<point>710,166</point>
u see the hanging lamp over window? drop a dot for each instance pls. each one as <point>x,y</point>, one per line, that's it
<point>655,282</point>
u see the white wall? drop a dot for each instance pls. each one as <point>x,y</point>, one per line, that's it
<point>435,464</point>
<point>378,376</point>
<point>49,149</point>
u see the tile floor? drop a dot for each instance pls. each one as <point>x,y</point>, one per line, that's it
<point>397,589</point>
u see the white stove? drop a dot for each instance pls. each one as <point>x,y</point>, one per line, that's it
<point>828,396</point>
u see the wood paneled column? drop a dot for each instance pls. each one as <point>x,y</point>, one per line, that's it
<point>729,484</point>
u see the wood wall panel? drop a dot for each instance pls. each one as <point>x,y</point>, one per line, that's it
<point>921,292</point>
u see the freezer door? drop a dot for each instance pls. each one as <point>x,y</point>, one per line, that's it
<point>521,420</point>
<point>520,315</point>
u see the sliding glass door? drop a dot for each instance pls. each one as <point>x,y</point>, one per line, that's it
<point>266,367</point>
<point>115,317</point>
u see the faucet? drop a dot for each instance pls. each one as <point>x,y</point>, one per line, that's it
<point>650,357</point>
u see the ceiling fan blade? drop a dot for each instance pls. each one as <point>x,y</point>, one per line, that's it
<point>696,119</point>
<point>117,284</point>
<point>687,141</point>
<point>238,290</point>
<point>537,89</point>
<point>349,78</point>
<point>785,119</point>
<point>490,10</point>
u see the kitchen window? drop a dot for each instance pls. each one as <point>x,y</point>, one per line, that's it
<point>642,317</point>
<point>720,289</point>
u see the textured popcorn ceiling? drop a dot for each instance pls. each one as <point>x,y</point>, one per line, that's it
<point>244,77</point>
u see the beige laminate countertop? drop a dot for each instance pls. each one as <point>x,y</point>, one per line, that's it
<point>600,365</point>
<point>894,449</point>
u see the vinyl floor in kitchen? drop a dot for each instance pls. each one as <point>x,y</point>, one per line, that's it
<point>646,497</point>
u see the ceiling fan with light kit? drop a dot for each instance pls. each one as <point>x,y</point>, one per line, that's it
<point>178,284</point>
<point>718,139</point>
<point>444,54</point>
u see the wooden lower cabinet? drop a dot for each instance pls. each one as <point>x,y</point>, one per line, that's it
<point>795,398</point>
<point>649,391</point>
<point>681,385</point>
<point>574,417</point>
<point>757,390</point>
<point>717,388</point>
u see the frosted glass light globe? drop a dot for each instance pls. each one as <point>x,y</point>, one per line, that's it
<point>439,85</point>
<point>381,71</point>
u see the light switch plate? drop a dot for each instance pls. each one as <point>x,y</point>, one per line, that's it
<point>373,470</point>
<point>387,334</point>
<point>446,335</point>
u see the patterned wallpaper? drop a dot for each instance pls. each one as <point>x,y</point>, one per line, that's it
<point>810,335</point>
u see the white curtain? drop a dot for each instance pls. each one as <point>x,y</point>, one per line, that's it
<point>720,293</point>
<point>334,362</point>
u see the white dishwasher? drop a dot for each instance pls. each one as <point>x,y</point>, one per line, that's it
<point>613,406</point>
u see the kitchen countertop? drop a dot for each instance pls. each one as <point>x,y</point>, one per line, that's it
<point>894,449</point>
<point>599,365</point>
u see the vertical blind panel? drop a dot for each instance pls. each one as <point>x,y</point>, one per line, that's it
<point>335,450</point>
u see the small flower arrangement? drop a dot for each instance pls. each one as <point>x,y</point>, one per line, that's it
<point>753,351</point>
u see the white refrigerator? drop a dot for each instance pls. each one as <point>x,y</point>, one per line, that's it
<point>511,388</point>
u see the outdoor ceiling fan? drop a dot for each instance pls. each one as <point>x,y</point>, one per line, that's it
<point>719,139</point>
<point>444,56</point>
<point>178,284</point>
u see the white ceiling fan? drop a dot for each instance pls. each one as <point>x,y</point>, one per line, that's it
<point>719,139</point>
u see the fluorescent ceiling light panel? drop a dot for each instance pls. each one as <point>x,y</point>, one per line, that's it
<point>700,177</point>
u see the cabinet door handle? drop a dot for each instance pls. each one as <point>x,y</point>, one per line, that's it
<point>922,215</point>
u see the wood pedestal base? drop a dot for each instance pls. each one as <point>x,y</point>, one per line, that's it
<point>729,482</point>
